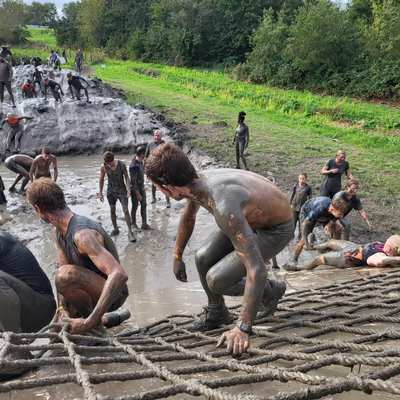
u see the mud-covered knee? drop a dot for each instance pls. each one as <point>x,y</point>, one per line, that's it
<point>214,283</point>
<point>201,261</point>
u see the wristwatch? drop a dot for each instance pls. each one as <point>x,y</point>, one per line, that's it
<point>246,328</point>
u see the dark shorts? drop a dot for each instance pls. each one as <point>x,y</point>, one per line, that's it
<point>113,197</point>
<point>27,310</point>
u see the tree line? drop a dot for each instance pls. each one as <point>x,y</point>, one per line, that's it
<point>346,49</point>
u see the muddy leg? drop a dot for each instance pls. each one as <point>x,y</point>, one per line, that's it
<point>134,209</point>
<point>242,157</point>
<point>17,141</point>
<point>237,154</point>
<point>17,179</point>
<point>153,194</point>
<point>131,236</point>
<point>9,90</point>
<point>10,138</point>
<point>113,215</point>
<point>87,94</point>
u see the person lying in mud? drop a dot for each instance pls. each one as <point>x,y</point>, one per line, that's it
<point>241,140</point>
<point>138,191</point>
<point>254,223</point>
<point>319,210</point>
<point>21,165</point>
<point>55,88</point>
<point>118,189</point>
<point>75,86</point>
<point>346,254</point>
<point>26,297</point>
<point>15,130</point>
<point>90,280</point>
<point>40,167</point>
<point>157,141</point>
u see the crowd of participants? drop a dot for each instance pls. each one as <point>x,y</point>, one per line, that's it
<point>254,222</point>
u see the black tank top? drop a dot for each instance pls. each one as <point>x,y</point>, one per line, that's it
<point>67,244</point>
<point>116,182</point>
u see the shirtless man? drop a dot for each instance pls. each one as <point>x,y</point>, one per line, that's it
<point>254,223</point>
<point>90,281</point>
<point>118,189</point>
<point>41,165</point>
<point>345,254</point>
<point>21,165</point>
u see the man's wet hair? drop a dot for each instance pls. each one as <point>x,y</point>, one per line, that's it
<point>108,156</point>
<point>46,150</point>
<point>340,201</point>
<point>140,150</point>
<point>169,165</point>
<point>46,195</point>
<point>352,181</point>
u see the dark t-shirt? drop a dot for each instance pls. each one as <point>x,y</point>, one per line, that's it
<point>136,172</point>
<point>333,182</point>
<point>151,146</point>
<point>115,177</point>
<point>354,203</point>
<point>316,210</point>
<point>300,194</point>
<point>17,261</point>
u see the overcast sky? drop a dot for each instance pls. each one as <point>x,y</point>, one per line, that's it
<point>58,3</point>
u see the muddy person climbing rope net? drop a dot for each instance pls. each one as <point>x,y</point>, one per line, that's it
<point>339,338</point>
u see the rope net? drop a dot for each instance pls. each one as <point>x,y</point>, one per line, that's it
<point>321,342</point>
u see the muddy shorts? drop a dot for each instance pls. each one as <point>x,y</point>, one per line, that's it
<point>113,197</point>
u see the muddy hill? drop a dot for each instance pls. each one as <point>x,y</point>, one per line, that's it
<point>73,126</point>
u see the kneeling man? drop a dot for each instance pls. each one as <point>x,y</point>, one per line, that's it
<point>254,223</point>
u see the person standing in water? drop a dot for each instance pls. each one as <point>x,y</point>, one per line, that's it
<point>333,171</point>
<point>90,280</point>
<point>254,223</point>
<point>157,141</point>
<point>118,189</point>
<point>41,165</point>
<point>21,165</point>
<point>241,140</point>
<point>138,191</point>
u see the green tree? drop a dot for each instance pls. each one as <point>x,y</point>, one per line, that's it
<point>67,27</point>
<point>12,20</point>
<point>91,22</point>
<point>41,14</point>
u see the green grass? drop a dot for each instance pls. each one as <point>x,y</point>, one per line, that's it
<point>42,36</point>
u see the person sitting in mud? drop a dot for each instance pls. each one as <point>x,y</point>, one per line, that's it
<point>118,189</point>
<point>333,171</point>
<point>21,165</point>
<point>323,211</point>
<point>40,167</point>
<point>157,141</point>
<point>28,90</point>
<point>75,86</point>
<point>26,297</point>
<point>300,194</point>
<point>254,223</point>
<point>15,130</point>
<point>37,78</point>
<point>353,203</point>
<point>6,73</point>
<point>138,191</point>
<point>346,254</point>
<point>241,140</point>
<point>55,88</point>
<point>90,280</point>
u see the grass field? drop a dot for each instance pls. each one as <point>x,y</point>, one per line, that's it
<point>290,131</point>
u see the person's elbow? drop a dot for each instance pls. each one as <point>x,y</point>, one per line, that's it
<point>256,273</point>
<point>120,276</point>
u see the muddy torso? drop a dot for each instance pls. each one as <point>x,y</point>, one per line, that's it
<point>43,167</point>
<point>5,72</point>
<point>21,159</point>
<point>242,132</point>
<point>333,182</point>
<point>115,178</point>
<point>70,249</point>
<point>316,210</point>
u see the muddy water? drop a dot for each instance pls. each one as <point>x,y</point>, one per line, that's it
<point>154,290</point>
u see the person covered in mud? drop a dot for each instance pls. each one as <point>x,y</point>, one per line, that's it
<point>346,254</point>
<point>6,73</point>
<point>301,192</point>
<point>6,53</point>
<point>319,210</point>
<point>90,280</point>
<point>333,171</point>
<point>28,90</point>
<point>157,141</point>
<point>254,223</point>
<point>15,130</point>
<point>40,167</point>
<point>241,140</point>
<point>79,61</point>
<point>118,188</point>
<point>138,191</point>
<point>75,86</point>
<point>37,78</point>
<point>26,297</point>
<point>36,61</point>
<point>21,165</point>
<point>55,88</point>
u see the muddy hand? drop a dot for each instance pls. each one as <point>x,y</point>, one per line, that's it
<point>100,197</point>
<point>237,342</point>
<point>180,270</point>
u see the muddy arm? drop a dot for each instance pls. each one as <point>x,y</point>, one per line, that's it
<point>32,170</point>
<point>381,260</point>
<point>55,167</point>
<point>101,181</point>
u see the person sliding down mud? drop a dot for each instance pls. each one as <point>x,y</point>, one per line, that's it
<point>345,254</point>
<point>90,281</point>
<point>254,223</point>
<point>118,189</point>
<point>241,140</point>
<point>40,167</point>
<point>55,88</point>
<point>15,130</point>
<point>26,299</point>
<point>21,165</point>
<point>75,85</point>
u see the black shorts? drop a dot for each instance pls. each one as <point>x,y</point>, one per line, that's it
<point>113,197</point>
